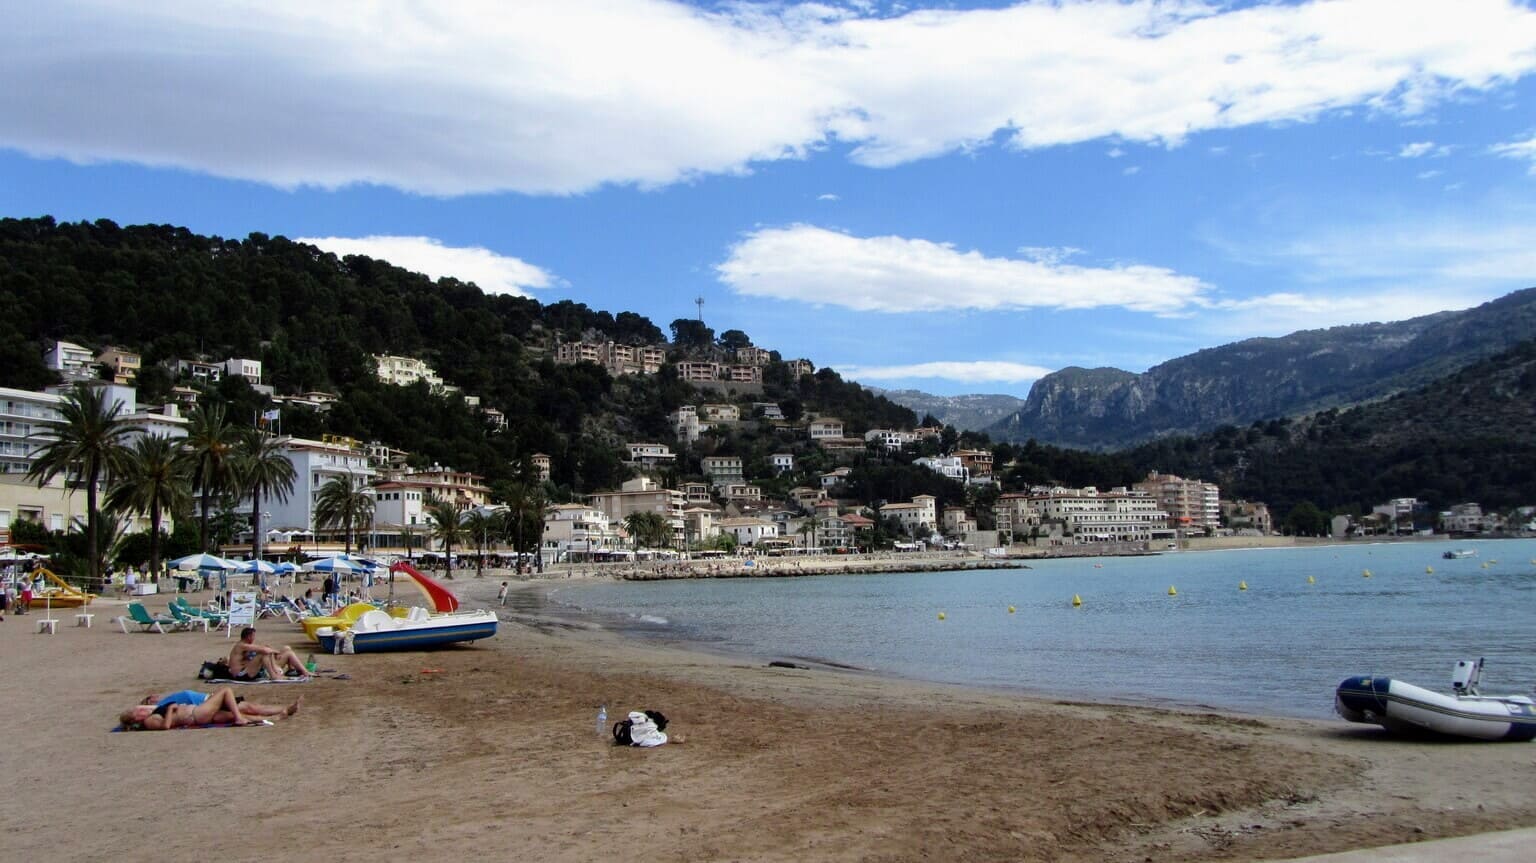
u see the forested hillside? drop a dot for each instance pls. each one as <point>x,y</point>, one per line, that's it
<point>1469,437</point>
<point>1265,378</point>
<point>314,320</point>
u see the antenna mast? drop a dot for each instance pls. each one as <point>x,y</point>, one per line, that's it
<point>699,301</point>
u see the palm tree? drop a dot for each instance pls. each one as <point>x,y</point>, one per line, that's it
<point>261,470</point>
<point>210,449</point>
<point>477,524</point>
<point>89,440</point>
<point>808,527</point>
<point>445,527</point>
<point>154,479</point>
<point>344,504</point>
<point>647,526</point>
<point>523,503</point>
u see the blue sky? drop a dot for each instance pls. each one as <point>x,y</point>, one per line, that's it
<point>956,197</point>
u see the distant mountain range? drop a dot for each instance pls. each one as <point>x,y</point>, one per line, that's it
<point>1260,379</point>
<point>966,413</point>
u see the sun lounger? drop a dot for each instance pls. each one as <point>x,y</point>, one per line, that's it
<point>146,621</point>
<point>185,620</point>
<point>214,618</point>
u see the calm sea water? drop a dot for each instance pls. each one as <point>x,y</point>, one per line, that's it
<point>1278,648</point>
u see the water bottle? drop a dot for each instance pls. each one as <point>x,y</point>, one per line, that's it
<point>602,720</point>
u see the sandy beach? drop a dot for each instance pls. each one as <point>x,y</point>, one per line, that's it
<point>490,750</point>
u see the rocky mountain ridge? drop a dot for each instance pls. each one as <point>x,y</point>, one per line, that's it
<point>1264,378</point>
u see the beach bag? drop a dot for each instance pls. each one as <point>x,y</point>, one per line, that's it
<point>216,670</point>
<point>642,728</point>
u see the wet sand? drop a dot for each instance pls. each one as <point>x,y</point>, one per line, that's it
<point>491,750</point>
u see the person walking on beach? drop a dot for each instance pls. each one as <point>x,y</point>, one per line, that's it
<point>501,595</point>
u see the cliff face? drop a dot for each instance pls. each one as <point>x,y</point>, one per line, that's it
<point>1259,379</point>
<point>972,412</point>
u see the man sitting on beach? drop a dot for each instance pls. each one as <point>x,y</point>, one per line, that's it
<point>251,661</point>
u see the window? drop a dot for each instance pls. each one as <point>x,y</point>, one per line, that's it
<point>56,522</point>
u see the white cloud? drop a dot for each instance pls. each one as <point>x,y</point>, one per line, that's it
<point>1115,153</point>
<point>562,96</point>
<point>1386,269</point>
<point>495,274</point>
<point>809,264</point>
<point>977,371</point>
<point>1416,149</point>
<point>1131,170</point>
<point>828,197</point>
<point>1428,175</point>
<point>1518,150</point>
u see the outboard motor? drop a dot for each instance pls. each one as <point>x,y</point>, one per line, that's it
<point>1465,677</point>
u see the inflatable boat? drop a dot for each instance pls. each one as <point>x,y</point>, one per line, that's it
<point>1403,707</point>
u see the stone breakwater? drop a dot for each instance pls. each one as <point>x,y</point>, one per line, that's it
<point>779,567</point>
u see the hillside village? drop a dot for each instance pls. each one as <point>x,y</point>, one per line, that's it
<point>739,474</point>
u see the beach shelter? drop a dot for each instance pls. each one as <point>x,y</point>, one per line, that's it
<point>257,566</point>
<point>286,568</point>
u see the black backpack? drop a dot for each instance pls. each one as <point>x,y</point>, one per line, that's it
<point>621,728</point>
<point>216,670</point>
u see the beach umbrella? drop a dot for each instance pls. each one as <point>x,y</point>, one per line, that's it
<point>286,568</point>
<point>257,566</point>
<point>338,565</point>
<point>203,561</point>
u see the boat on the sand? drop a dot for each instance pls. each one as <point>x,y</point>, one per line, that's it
<point>1403,707</point>
<point>440,622</point>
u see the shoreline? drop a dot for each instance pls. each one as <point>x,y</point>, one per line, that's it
<point>490,748</point>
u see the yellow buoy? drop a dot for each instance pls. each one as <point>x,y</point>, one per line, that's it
<point>1010,609</point>
<point>1171,591</point>
<point>1077,601</point>
<point>1311,580</point>
<point>1242,585</point>
<point>1485,564</point>
<point>941,615</point>
<point>1430,570</point>
<point>1365,573</point>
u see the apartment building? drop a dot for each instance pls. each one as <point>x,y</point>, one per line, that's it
<point>1191,505</point>
<point>978,463</point>
<point>122,365</point>
<point>717,413</point>
<point>651,455</point>
<point>642,494</point>
<point>753,356</point>
<point>800,367</point>
<point>405,371</point>
<point>723,470</point>
<point>919,517</point>
<point>891,439</point>
<point>314,464</point>
<point>573,531</point>
<point>1088,515</point>
<point>823,428</point>
<point>73,362</point>
<point>949,466</point>
<point>747,531</point>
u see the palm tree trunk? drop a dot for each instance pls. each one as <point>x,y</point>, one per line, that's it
<point>255,524</point>
<point>91,543</point>
<point>202,533</point>
<point>154,536</point>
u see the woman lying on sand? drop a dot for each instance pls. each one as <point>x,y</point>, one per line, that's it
<point>190,707</point>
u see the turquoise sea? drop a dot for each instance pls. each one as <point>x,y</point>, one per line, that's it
<point>1278,648</point>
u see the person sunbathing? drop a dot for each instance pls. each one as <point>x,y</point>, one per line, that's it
<point>250,661</point>
<point>189,707</point>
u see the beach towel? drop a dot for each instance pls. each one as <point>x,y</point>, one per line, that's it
<point>260,681</point>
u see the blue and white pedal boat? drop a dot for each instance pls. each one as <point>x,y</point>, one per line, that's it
<point>377,631</point>
<point>1403,707</point>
